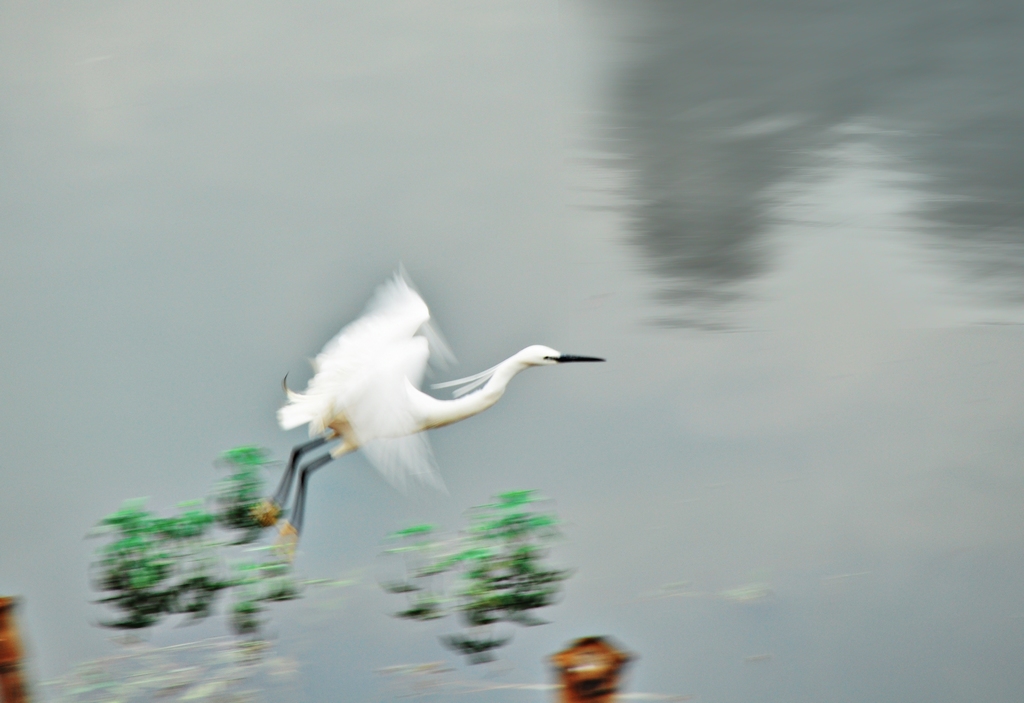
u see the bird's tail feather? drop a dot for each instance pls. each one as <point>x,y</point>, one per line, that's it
<point>293,415</point>
<point>302,409</point>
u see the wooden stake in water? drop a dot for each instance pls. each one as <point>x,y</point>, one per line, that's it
<point>590,670</point>
<point>12,685</point>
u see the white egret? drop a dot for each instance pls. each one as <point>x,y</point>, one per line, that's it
<point>365,392</point>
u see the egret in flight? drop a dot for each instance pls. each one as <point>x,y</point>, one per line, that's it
<point>365,392</point>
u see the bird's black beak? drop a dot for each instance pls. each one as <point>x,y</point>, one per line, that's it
<point>566,358</point>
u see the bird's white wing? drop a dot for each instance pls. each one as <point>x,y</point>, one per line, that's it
<point>365,375</point>
<point>364,349</point>
<point>376,402</point>
<point>383,419</point>
<point>399,458</point>
<point>394,315</point>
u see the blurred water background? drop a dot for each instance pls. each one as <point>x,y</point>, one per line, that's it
<point>793,228</point>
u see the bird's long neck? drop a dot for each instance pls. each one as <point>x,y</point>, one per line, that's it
<point>438,413</point>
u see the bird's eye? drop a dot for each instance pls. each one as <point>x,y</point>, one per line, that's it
<point>551,358</point>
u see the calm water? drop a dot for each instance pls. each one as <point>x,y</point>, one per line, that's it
<point>723,112</point>
<point>795,232</point>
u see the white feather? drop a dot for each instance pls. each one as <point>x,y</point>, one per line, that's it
<point>362,377</point>
<point>366,386</point>
<point>468,383</point>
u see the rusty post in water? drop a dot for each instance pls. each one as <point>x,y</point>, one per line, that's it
<point>12,684</point>
<point>590,670</point>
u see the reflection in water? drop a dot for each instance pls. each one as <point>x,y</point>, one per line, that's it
<point>720,102</point>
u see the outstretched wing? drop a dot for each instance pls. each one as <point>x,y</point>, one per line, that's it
<point>394,315</point>
<point>401,457</point>
<point>381,415</point>
<point>363,375</point>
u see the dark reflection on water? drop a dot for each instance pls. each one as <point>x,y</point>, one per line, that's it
<point>720,101</point>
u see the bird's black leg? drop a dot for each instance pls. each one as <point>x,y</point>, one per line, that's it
<point>300,497</point>
<point>267,510</point>
<point>284,488</point>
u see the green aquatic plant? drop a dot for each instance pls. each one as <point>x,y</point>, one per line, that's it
<point>152,567</point>
<point>237,494</point>
<point>498,569</point>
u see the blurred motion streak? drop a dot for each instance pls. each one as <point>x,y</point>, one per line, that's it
<point>212,670</point>
<point>437,679</point>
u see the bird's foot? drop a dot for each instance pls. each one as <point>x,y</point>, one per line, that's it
<point>287,541</point>
<point>265,512</point>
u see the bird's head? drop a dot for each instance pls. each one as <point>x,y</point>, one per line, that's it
<point>539,355</point>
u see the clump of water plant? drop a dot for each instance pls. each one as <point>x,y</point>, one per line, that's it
<point>493,572</point>
<point>152,567</point>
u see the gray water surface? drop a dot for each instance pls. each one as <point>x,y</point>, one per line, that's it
<point>720,103</point>
<point>794,230</point>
